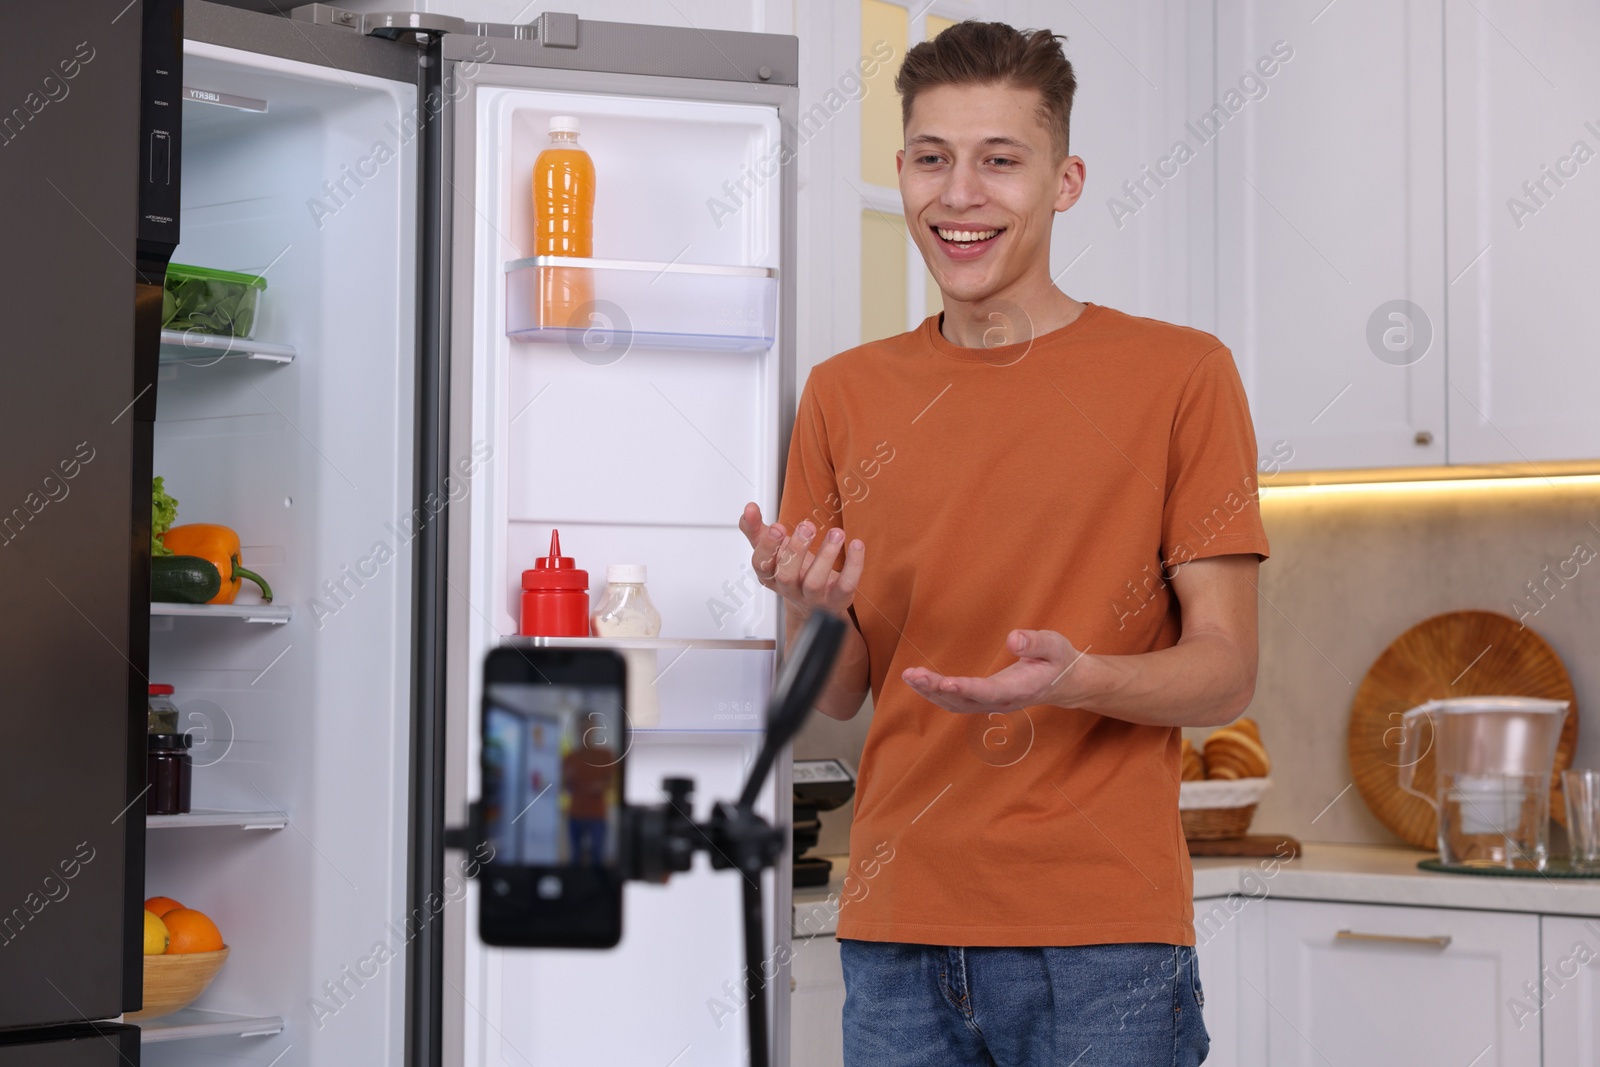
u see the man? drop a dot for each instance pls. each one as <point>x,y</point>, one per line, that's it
<point>587,774</point>
<point>1060,501</point>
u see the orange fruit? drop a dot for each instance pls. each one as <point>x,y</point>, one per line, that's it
<point>161,905</point>
<point>191,931</point>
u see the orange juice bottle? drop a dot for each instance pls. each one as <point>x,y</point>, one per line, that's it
<point>563,212</point>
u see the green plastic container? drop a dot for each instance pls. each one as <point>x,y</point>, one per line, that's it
<point>211,301</point>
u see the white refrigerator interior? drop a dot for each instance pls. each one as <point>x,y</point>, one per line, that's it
<point>641,452</point>
<point>305,721</point>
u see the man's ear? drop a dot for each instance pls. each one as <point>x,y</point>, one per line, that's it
<point>1072,173</point>
<point>899,161</point>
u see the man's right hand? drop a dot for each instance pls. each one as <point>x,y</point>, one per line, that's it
<point>799,566</point>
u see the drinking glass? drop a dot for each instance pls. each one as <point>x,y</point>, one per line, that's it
<point>1582,791</point>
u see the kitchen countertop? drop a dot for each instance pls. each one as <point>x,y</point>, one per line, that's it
<point>1365,874</point>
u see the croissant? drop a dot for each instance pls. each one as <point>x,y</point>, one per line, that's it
<point>1194,765</point>
<point>1248,726</point>
<point>1233,753</point>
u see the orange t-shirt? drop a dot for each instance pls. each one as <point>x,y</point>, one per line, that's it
<point>1043,486</point>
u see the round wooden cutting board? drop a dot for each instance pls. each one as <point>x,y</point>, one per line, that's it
<point>1458,654</point>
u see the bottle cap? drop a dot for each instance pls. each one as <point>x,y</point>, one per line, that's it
<point>563,124</point>
<point>171,741</point>
<point>157,690</point>
<point>629,573</point>
<point>554,571</point>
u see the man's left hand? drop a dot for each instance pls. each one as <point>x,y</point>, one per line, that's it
<point>1048,671</point>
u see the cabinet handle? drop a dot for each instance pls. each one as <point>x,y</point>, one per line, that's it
<point>1424,437</point>
<point>1436,941</point>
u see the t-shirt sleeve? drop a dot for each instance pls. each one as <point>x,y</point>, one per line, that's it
<point>1212,504</point>
<point>809,487</point>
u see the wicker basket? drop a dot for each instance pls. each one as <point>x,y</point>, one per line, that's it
<point>1216,809</point>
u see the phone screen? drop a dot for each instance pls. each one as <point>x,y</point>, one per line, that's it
<point>553,743</point>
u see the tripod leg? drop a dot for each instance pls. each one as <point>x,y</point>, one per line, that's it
<point>754,942</point>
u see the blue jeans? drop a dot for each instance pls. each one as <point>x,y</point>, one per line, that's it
<point>594,832</point>
<point>1135,1005</point>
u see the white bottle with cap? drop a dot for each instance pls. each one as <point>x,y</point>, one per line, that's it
<point>625,611</point>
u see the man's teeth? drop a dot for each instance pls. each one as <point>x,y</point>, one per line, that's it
<point>967,235</point>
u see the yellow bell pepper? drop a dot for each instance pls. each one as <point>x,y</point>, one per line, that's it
<point>219,546</point>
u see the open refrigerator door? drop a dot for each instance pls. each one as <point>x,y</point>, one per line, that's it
<point>638,424</point>
<point>300,438</point>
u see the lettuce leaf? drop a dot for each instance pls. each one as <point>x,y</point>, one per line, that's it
<point>163,513</point>
<point>208,306</point>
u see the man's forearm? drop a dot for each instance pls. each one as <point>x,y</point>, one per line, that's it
<point>848,682</point>
<point>1204,680</point>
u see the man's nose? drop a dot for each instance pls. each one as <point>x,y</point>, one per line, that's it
<point>964,189</point>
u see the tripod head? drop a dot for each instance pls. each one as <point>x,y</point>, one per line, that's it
<point>661,839</point>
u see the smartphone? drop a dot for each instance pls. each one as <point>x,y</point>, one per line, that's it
<point>553,756</point>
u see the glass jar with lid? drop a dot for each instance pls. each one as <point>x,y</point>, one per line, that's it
<point>163,712</point>
<point>169,774</point>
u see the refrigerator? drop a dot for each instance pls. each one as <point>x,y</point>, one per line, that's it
<point>394,443</point>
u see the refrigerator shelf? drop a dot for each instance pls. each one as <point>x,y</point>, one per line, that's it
<point>655,305</point>
<point>244,820</point>
<point>191,1023</point>
<point>746,644</point>
<point>194,349</point>
<point>269,613</point>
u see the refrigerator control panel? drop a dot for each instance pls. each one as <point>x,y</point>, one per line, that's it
<point>161,122</point>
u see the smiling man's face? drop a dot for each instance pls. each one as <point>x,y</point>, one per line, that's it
<point>981,183</point>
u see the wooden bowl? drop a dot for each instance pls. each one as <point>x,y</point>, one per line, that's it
<point>174,981</point>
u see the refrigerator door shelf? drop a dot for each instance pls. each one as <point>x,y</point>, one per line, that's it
<point>191,1023</point>
<point>653,305</point>
<point>193,349</point>
<point>747,644</point>
<point>244,820</point>
<point>274,614</point>
<point>700,686</point>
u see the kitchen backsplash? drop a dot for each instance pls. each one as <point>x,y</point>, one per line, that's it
<point>1351,569</point>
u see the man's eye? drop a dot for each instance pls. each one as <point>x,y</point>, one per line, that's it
<point>1004,162</point>
<point>927,160</point>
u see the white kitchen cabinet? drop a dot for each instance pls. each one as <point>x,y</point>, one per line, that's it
<point>1523,119</point>
<point>1571,1011</point>
<point>1380,984</point>
<point>1216,930</point>
<point>1230,941</point>
<point>816,1009</point>
<point>1327,129</point>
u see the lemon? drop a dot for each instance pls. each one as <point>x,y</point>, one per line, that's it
<point>155,934</point>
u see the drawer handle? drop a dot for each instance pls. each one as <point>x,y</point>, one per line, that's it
<point>1436,941</point>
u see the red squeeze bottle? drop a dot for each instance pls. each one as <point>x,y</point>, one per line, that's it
<point>555,596</point>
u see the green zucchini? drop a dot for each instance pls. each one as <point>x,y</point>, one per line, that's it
<point>183,580</point>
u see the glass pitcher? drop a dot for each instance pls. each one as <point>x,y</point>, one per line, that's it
<point>1492,761</point>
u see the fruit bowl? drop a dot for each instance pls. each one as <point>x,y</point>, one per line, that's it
<point>174,981</point>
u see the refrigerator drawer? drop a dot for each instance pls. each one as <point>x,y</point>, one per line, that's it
<point>601,308</point>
